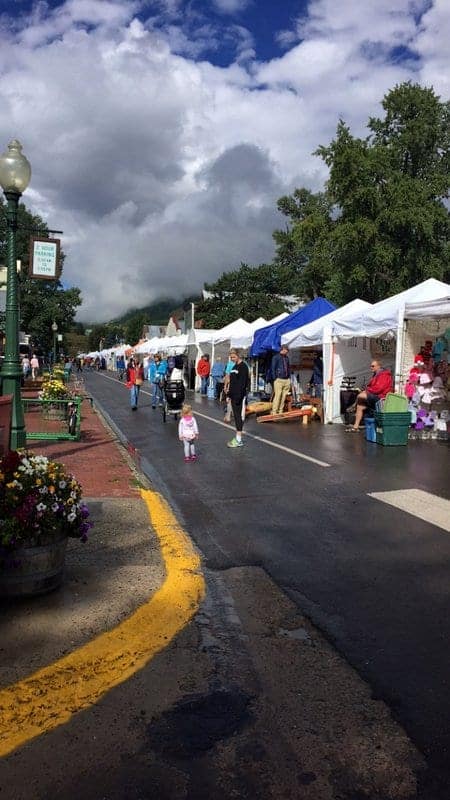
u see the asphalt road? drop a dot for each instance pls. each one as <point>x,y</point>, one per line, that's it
<point>373,578</point>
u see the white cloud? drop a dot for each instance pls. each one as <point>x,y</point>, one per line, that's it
<point>162,169</point>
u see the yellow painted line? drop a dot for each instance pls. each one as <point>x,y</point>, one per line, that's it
<point>51,696</point>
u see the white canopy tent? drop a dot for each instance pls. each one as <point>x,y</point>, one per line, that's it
<point>198,336</point>
<point>337,362</point>
<point>429,309</point>
<point>354,333</point>
<point>245,340</point>
<point>233,331</point>
<point>429,319</point>
<point>174,345</point>
<point>388,314</point>
<point>313,334</point>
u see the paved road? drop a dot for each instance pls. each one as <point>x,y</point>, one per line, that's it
<point>372,577</point>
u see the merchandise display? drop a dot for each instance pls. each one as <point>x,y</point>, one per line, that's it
<point>427,391</point>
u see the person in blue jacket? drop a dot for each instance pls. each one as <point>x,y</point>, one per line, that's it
<point>157,371</point>
<point>217,374</point>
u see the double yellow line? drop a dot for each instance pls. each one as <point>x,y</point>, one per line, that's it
<point>50,696</point>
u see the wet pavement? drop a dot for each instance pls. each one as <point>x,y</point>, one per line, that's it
<point>372,577</point>
<point>307,576</point>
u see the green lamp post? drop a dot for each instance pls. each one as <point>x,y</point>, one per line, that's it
<point>15,174</point>
<point>55,331</point>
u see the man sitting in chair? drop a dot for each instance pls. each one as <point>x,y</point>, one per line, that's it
<point>377,388</point>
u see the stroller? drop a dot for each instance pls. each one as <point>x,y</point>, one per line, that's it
<point>174,395</point>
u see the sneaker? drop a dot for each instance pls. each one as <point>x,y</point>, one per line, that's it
<point>234,443</point>
<point>187,459</point>
<point>193,458</point>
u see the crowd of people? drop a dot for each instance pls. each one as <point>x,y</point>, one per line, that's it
<point>231,384</point>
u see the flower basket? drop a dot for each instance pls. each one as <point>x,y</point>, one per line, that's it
<point>42,507</point>
<point>33,570</point>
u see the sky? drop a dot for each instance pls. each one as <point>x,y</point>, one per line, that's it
<point>162,132</point>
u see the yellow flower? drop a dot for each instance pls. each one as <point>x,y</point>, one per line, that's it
<point>38,482</point>
<point>51,489</point>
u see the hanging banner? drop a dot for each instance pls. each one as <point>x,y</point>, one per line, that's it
<point>45,259</point>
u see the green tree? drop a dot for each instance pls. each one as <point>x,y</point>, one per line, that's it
<point>134,327</point>
<point>41,302</point>
<point>247,292</point>
<point>382,224</point>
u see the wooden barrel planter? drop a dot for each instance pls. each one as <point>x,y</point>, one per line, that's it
<point>33,570</point>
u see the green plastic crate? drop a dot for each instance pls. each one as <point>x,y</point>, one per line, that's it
<point>395,403</point>
<point>392,428</point>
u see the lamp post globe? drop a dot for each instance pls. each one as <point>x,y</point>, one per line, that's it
<point>15,174</point>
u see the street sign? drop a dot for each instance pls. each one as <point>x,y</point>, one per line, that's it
<point>45,259</point>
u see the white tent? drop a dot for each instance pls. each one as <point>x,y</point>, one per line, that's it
<point>174,345</point>
<point>234,331</point>
<point>429,319</point>
<point>387,315</point>
<point>314,333</point>
<point>200,336</point>
<point>429,309</point>
<point>337,361</point>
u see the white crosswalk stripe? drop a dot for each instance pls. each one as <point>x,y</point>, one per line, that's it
<point>424,505</point>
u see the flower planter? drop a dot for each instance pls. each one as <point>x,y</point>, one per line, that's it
<point>33,570</point>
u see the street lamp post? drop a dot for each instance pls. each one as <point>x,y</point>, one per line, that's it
<point>55,331</point>
<point>15,173</point>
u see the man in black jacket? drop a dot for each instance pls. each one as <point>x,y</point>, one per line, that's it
<point>281,373</point>
<point>238,387</point>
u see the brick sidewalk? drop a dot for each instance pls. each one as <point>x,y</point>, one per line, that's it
<point>98,460</point>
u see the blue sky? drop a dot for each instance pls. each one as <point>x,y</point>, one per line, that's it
<point>261,18</point>
<point>161,134</point>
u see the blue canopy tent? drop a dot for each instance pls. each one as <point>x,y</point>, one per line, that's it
<point>269,338</point>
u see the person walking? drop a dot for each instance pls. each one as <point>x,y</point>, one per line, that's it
<point>238,386</point>
<point>120,364</point>
<point>157,371</point>
<point>34,363</point>
<point>281,373</point>
<point>188,432</point>
<point>203,370</point>
<point>135,379</point>
<point>226,382</point>
<point>217,375</point>
<point>26,366</point>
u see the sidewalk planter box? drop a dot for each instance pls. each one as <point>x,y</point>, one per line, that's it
<point>36,570</point>
<point>392,428</point>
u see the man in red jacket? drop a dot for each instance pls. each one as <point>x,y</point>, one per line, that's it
<point>203,370</point>
<point>377,388</point>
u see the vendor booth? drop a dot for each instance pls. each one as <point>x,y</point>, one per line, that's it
<point>372,332</point>
<point>350,359</point>
<point>424,366</point>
